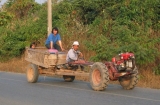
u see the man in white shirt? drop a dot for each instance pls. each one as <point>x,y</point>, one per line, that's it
<point>74,54</point>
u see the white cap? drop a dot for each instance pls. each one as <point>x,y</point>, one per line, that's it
<point>75,43</point>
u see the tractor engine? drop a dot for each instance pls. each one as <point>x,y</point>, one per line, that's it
<point>124,61</point>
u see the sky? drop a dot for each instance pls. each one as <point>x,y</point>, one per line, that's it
<point>38,1</point>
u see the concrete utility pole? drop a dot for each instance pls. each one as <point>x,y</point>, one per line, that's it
<point>49,16</point>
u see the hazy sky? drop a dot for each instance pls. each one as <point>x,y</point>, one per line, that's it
<point>39,1</point>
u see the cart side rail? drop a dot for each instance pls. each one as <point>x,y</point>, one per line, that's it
<point>43,58</point>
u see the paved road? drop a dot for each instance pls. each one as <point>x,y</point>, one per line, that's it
<point>14,90</point>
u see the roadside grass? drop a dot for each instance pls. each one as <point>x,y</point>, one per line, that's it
<point>14,65</point>
<point>146,77</point>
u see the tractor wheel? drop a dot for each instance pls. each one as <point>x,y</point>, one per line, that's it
<point>130,81</point>
<point>99,76</point>
<point>68,78</point>
<point>32,73</point>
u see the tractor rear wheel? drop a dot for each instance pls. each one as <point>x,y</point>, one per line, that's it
<point>99,76</point>
<point>32,73</point>
<point>130,81</point>
<point>68,78</point>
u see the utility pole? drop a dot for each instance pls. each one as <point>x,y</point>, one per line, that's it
<point>49,16</point>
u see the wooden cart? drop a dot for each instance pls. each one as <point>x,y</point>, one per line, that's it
<point>43,62</point>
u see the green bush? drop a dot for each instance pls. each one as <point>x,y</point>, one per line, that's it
<point>19,34</point>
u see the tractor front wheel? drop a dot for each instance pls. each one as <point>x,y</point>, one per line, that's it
<point>130,81</point>
<point>99,76</point>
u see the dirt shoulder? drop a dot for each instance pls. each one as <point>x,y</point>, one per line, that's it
<point>146,78</point>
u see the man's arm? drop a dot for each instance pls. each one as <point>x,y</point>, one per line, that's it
<point>80,55</point>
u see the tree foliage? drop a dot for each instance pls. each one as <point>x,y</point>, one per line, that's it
<point>19,8</point>
<point>5,18</point>
<point>19,33</point>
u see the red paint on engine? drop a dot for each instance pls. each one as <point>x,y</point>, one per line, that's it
<point>123,57</point>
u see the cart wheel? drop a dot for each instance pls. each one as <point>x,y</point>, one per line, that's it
<point>99,76</point>
<point>68,78</point>
<point>32,73</point>
<point>130,81</point>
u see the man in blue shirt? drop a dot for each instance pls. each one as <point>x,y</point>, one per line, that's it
<point>53,38</point>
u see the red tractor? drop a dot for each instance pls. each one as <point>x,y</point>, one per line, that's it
<point>122,68</point>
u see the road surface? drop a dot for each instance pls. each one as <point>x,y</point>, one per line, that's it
<point>15,90</point>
